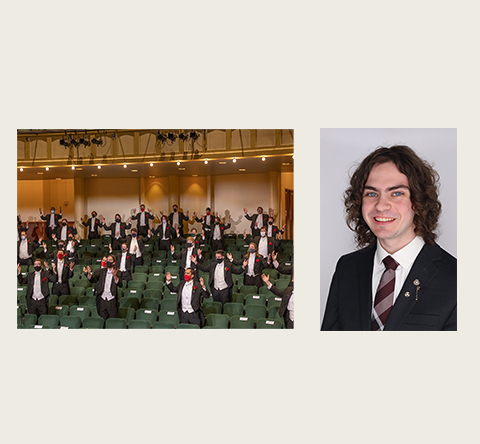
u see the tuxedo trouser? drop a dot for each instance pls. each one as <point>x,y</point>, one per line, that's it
<point>164,245</point>
<point>27,261</point>
<point>39,307</point>
<point>253,280</point>
<point>221,295</point>
<point>217,245</point>
<point>189,318</point>
<point>107,309</point>
<point>117,243</point>
<point>60,289</point>
<point>93,235</point>
<point>142,230</point>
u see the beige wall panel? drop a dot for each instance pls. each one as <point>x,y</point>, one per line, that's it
<point>216,140</point>
<point>237,140</point>
<point>265,137</point>
<point>127,143</point>
<point>30,199</point>
<point>20,150</point>
<point>194,197</point>
<point>59,151</point>
<point>41,149</point>
<point>287,137</point>
<point>156,196</point>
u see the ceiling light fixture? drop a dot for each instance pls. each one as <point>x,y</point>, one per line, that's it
<point>124,165</point>
<point>151,164</point>
<point>99,166</point>
<point>234,159</point>
<point>47,168</point>
<point>206,161</point>
<point>21,169</point>
<point>263,158</point>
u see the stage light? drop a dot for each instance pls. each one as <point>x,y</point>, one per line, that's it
<point>178,162</point>
<point>96,141</point>
<point>183,137</point>
<point>21,169</point>
<point>234,160</point>
<point>151,164</point>
<point>74,142</point>
<point>194,135</point>
<point>206,161</point>
<point>47,168</point>
<point>73,167</point>
<point>172,137</point>
<point>99,166</point>
<point>124,165</point>
<point>263,158</point>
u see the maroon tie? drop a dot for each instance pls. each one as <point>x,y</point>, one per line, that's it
<point>384,297</point>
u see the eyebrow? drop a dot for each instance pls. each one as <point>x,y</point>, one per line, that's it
<point>395,187</point>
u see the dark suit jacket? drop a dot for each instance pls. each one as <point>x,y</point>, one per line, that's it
<point>112,227</point>
<point>128,261</point>
<point>182,255</point>
<point>159,231</point>
<point>196,294</point>
<point>66,273</point>
<point>140,241</point>
<point>285,295</point>
<point>45,278</point>
<point>98,278</point>
<point>349,304</point>
<point>275,230</point>
<point>31,247</point>
<point>253,218</point>
<point>223,227</point>
<point>203,221</point>
<point>47,218</point>
<point>260,264</point>
<point>227,269</point>
<point>272,243</point>
<point>96,226</point>
<point>147,216</point>
<point>70,230</point>
<point>181,218</point>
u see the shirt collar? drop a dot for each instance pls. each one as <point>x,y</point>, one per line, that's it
<point>405,256</point>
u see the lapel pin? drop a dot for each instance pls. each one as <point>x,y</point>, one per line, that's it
<point>416,282</point>
<point>407,294</point>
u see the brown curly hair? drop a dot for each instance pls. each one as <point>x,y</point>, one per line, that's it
<point>423,183</point>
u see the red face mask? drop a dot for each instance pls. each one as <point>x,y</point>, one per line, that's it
<point>208,213</point>
<point>142,209</point>
<point>188,277</point>
<point>104,263</point>
<point>60,256</point>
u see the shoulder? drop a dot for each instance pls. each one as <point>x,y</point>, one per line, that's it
<point>442,258</point>
<point>357,256</point>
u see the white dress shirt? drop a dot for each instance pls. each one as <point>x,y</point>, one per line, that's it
<point>70,246</point>
<point>187,297</point>
<point>405,259</point>
<point>92,227</point>
<point>175,219</point>
<point>269,230</point>
<point>259,221</point>
<point>164,226</point>
<point>263,246</point>
<point>52,219</point>
<point>107,292</point>
<point>216,233</point>
<point>142,218</point>
<point>37,286</point>
<point>132,247</point>
<point>117,230</point>
<point>290,307</point>
<point>219,277</point>
<point>188,262</point>
<point>123,261</point>
<point>60,270</point>
<point>251,265</point>
<point>23,253</point>
<point>63,233</point>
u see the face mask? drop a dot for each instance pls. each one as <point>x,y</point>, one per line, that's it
<point>251,250</point>
<point>60,256</point>
<point>164,221</point>
<point>270,223</point>
<point>23,237</point>
<point>219,261</point>
<point>109,264</point>
<point>259,211</point>
<point>262,233</point>
<point>37,268</point>
<point>53,211</point>
<point>94,214</point>
<point>60,246</point>
<point>188,277</point>
<point>175,210</point>
<point>189,244</point>
<point>64,224</point>
<point>134,235</point>
<point>124,250</point>
<point>216,223</point>
<point>208,213</point>
<point>142,209</point>
<point>70,238</point>
<point>117,220</point>
<point>104,264</point>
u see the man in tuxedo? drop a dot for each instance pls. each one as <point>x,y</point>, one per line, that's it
<point>25,249</point>
<point>258,220</point>
<point>207,222</point>
<point>38,291</point>
<point>93,224</point>
<point>107,280</point>
<point>117,230</point>
<point>143,225</point>
<point>124,261</point>
<point>189,298</point>
<point>52,221</point>
<point>266,245</point>
<point>165,233</point>
<point>62,272</point>
<point>401,279</point>
<point>218,234</point>
<point>273,230</point>
<point>63,231</point>
<point>136,246</point>
<point>185,256</point>
<point>220,280</point>
<point>286,307</point>
<point>176,219</point>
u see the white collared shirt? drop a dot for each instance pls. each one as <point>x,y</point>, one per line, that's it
<point>164,226</point>
<point>251,265</point>
<point>107,292</point>
<point>142,218</point>
<point>70,246</point>
<point>188,263</point>
<point>63,233</point>
<point>52,219</point>
<point>263,246</point>
<point>270,230</point>
<point>59,270</point>
<point>187,297</point>
<point>405,259</point>
<point>259,221</point>
<point>123,261</point>
<point>219,278</point>
<point>92,227</point>
<point>216,233</point>
<point>207,219</point>
<point>117,230</point>
<point>290,307</point>
<point>132,247</point>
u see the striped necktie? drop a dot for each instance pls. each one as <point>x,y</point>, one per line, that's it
<point>384,297</point>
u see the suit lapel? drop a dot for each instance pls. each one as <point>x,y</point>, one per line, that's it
<point>365,271</point>
<point>424,270</point>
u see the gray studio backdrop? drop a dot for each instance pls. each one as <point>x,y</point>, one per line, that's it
<point>340,152</point>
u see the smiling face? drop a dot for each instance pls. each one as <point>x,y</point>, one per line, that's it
<point>387,208</point>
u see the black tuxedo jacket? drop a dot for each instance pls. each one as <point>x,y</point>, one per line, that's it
<point>253,218</point>
<point>260,264</point>
<point>31,247</point>
<point>272,243</point>
<point>182,255</point>
<point>128,261</point>
<point>285,295</point>
<point>181,218</point>
<point>98,278</point>
<point>112,227</point>
<point>147,216</point>
<point>196,294</point>
<point>47,218</point>
<point>275,230</point>
<point>66,272</point>
<point>349,304</point>
<point>45,278</point>
<point>227,270</point>
<point>70,230</point>
<point>140,241</point>
<point>96,226</point>
<point>159,231</point>
<point>223,227</point>
<point>203,221</point>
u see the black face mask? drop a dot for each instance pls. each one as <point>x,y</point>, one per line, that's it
<point>251,250</point>
<point>70,238</point>
<point>217,223</point>
<point>189,244</point>
<point>64,224</point>
<point>37,268</point>
<point>219,261</point>
<point>61,246</point>
<point>175,210</point>
<point>109,264</point>
<point>270,223</point>
<point>124,250</point>
<point>94,214</point>
<point>117,220</point>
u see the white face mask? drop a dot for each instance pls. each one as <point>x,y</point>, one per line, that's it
<point>262,233</point>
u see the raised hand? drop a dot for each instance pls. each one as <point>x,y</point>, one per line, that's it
<point>72,264</point>
<point>202,282</point>
<point>54,237</point>
<point>161,212</point>
<point>284,225</point>
<point>44,245</point>
<point>60,210</point>
<point>172,248</point>
<point>40,211</point>
<point>265,278</point>
<point>168,276</point>
<point>279,236</point>
<point>186,213</point>
<point>149,210</point>
<point>103,220</point>
<point>19,268</point>
<point>46,265</point>
<point>54,266</point>
<point>85,270</point>
<point>74,226</point>
<point>272,212</point>
<point>274,256</point>
<point>203,232</point>
<point>129,219</point>
<point>245,210</point>
<point>178,231</point>
<point>134,211</point>
<point>135,248</point>
<point>199,252</point>
<point>194,214</point>
<point>110,247</point>
<point>245,262</point>
<point>81,219</point>
<point>244,234</point>
<point>193,258</point>
<point>230,257</point>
